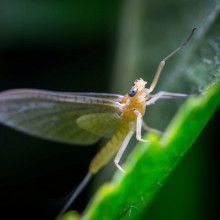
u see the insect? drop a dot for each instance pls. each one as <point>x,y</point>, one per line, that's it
<point>83,118</point>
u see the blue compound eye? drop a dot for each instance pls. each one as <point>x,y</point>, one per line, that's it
<point>132,92</point>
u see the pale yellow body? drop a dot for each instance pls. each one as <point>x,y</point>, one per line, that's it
<point>129,105</point>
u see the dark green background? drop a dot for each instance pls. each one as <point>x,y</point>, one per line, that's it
<point>98,46</point>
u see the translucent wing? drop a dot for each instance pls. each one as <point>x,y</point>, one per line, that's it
<point>111,97</point>
<point>60,116</point>
<point>103,124</point>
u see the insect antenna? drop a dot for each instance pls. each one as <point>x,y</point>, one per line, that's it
<point>162,63</point>
<point>190,36</point>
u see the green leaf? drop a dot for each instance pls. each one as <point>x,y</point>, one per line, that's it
<point>148,167</point>
<point>70,216</point>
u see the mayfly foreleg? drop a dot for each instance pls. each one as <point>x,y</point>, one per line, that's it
<point>162,63</point>
<point>164,95</point>
<point>122,149</point>
<point>169,94</point>
<point>139,126</point>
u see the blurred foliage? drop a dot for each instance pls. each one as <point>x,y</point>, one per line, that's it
<point>102,47</point>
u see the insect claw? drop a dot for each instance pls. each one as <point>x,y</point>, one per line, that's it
<point>119,167</point>
<point>142,140</point>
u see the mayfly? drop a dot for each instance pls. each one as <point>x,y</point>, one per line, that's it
<point>83,118</point>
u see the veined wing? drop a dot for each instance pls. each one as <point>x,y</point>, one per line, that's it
<point>111,97</point>
<point>60,116</point>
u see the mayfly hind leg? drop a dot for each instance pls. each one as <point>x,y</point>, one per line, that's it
<point>122,149</point>
<point>117,144</point>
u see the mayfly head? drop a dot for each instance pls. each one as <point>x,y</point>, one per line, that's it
<point>138,87</point>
